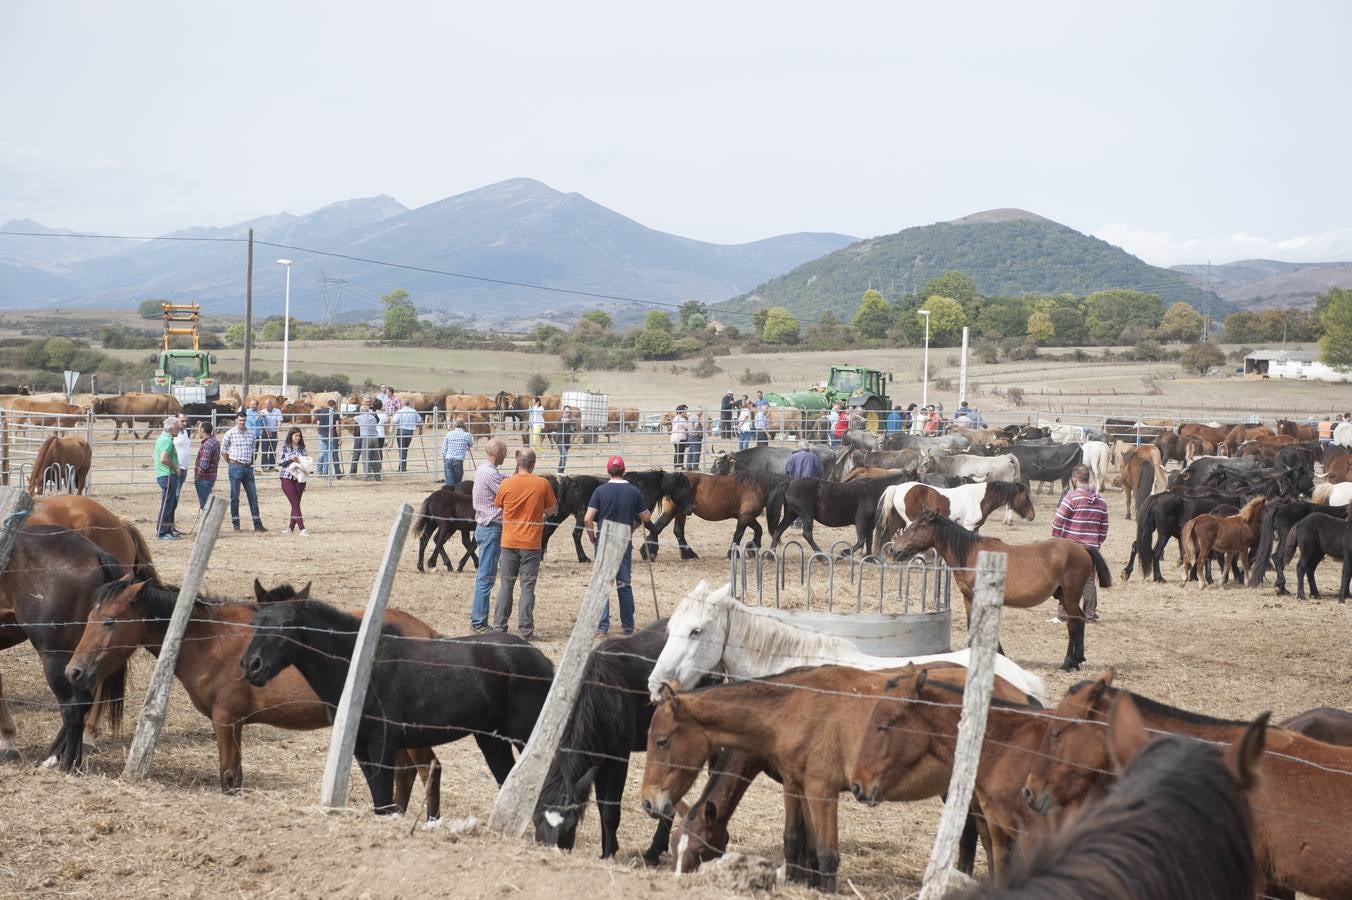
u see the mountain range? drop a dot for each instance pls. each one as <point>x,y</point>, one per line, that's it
<point>1267,283</point>
<point>519,231</point>
<point>1005,252</point>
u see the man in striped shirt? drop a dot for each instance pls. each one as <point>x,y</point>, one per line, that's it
<point>454,446</point>
<point>487,531</point>
<point>1082,517</point>
<point>238,449</point>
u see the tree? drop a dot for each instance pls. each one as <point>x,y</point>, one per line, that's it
<point>149,309</point>
<point>656,320</point>
<point>1181,323</point>
<point>536,384</point>
<point>58,352</point>
<point>954,285</point>
<point>1109,313</point>
<point>828,319</point>
<point>946,320</point>
<point>1243,328</point>
<point>654,343</point>
<point>234,335</point>
<point>758,320</point>
<point>780,326</point>
<point>598,316</point>
<point>693,315</point>
<point>401,316</point>
<point>1040,326</point>
<point>1335,347</point>
<point>1200,358</point>
<point>873,317</point>
<point>1003,317</point>
<point>273,329</point>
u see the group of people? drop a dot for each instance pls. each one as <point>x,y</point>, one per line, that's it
<point>688,432</point>
<point>509,517</point>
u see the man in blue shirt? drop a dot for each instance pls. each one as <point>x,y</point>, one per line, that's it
<point>618,501</point>
<point>894,425</point>
<point>454,446</point>
<point>803,463</point>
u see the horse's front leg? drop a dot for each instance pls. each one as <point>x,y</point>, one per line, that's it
<point>822,807</point>
<point>377,760</point>
<point>229,735</point>
<point>687,552</point>
<point>9,752</point>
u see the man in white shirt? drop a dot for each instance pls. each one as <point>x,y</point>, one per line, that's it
<point>182,446</point>
<point>406,420</point>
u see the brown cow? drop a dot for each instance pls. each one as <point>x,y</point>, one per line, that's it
<point>132,407</point>
<point>463,403</point>
<point>31,411</point>
<point>61,452</point>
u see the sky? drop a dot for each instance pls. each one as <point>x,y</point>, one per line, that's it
<point>1181,132</point>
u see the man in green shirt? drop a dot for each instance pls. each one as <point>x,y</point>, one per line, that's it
<point>166,473</point>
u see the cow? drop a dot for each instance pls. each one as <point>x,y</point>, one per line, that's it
<point>127,409</point>
<point>977,468</point>
<point>31,411</point>
<point>1047,462</point>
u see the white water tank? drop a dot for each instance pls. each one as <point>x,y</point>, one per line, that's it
<point>594,407</point>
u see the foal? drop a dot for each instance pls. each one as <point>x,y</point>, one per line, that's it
<point>1231,535</point>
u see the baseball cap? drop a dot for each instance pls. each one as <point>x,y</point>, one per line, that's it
<point>615,465</point>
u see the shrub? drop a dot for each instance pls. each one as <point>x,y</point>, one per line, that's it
<point>1015,395</point>
<point>1150,350</point>
<point>750,377</point>
<point>149,309</point>
<point>1018,349</point>
<point>943,384</point>
<point>536,384</point>
<point>320,383</point>
<point>706,368</point>
<point>1200,358</point>
<point>987,351</point>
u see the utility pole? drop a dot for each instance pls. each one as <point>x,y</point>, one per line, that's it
<point>1206,315</point>
<point>248,326</point>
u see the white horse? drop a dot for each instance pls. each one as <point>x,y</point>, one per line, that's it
<point>1095,456</point>
<point>1342,434</point>
<point>712,631</point>
<point>1331,494</point>
<point>968,504</point>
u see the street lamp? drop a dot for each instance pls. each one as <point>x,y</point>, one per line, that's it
<point>286,322</point>
<point>924,392</point>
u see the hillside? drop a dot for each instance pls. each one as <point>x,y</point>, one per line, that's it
<point>1267,283</point>
<point>518,230</point>
<point>1005,252</point>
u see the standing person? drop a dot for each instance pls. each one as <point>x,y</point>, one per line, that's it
<point>803,463</point>
<point>1325,431</point>
<point>894,425</point>
<point>744,426</point>
<point>207,464</point>
<point>389,402</point>
<point>725,415</point>
<point>761,402</point>
<point>832,420</point>
<point>358,440</point>
<point>931,421</point>
<point>838,430</point>
<point>695,449</point>
<point>406,421</point>
<point>271,419</point>
<point>1083,518</point>
<point>567,426</point>
<point>291,463</point>
<point>525,500</point>
<point>368,438</point>
<point>487,531</point>
<point>255,421</point>
<point>454,446</point>
<point>382,429</point>
<point>166,473</point>
<point>908,420</point>
<point>238,448</point>
<point>617,501</point>
<point>330,463</point>
<point>183,447</point>
<point>680,436</point>
<point>537,425</point>
<point>762,424</point>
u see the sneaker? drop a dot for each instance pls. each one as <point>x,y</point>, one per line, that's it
<point>479,629</point>
<point>628,632</point>
<point>304,532</point>
<point>237,528</point>
<point>167,536</point>
<point>259,528</point>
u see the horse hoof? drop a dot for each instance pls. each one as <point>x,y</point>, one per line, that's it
<point>49,763</point>
<point>9,754</point>
<point>651,859</point>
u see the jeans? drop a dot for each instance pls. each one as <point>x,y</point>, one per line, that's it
<point>242,475</point>
<point>743,440</point>
<point>329,463</point>
<point>490,546</point>
<point>403,438</point>
<point>268,447</point>
<point>694,449</point>
<point>204,489</point>
<point>517,564</point>
<point>626,591</point>
<point>358,451</point>
<point>565,442</point>
<point>453,471</point>
<point>168,503</point>
<point>294,490</point>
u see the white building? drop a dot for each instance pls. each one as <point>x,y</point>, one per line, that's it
<point>1297,364</point>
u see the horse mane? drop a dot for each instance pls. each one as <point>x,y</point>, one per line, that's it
<point>959,539</point>
<point>1247,513</point>
<point>763,636</point>
<point>1005,490</point>
<point>1155,707</point>
<point>759,478</point>
<point>999,702</point>
<point>159,599</point>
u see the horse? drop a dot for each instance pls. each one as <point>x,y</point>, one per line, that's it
<point>1034,571</point>
<point>609,721</point>
<point>1176,824</point>
<point>1333,494</point>
<point>128,614</point>
<point>765,718</point>
<point>46,592</point>
<point>832,504</point>
<point>1162,517</point>
<point>1094,454</point>
<point>969,505</point>
<point>113,534</point>
<point>1298,431</point>
<point>1323,723</point>
<point>656,486</point>
<point>712,631</point>
<point>66,454</point>
<point>574,494</point>
<point>1231,535</point>
<point>423,692</point>
<point>447,510</point>
<point>1278,520</point>
<point>1140,475</point>
<point>739,496</point>
<point>1316,536</point>
<point>1303,826</point>
<point>915,722</point>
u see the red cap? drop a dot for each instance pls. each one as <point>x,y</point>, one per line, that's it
<point>615,465</point>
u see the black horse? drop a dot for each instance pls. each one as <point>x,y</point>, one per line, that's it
<point>831,504</point>
<point>1315,536</point>
<point>1277,524</point>
<point>422,692</point>
<point>609,722</point>
<point>573,493</point>
<point>1160,518</point>
<point>50,584</point>
<point>447,510</point>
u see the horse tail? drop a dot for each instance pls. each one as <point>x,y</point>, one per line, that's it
<point>774,505</point>
<point>1145,487</point>
<point>882,516</point>
<point>1263,555</point>
<point>142,566</point>
<point>1105,578</point>
<point>1189,547</point>
<point>426,523</point>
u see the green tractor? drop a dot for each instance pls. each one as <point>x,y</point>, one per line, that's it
<point>853,387</point>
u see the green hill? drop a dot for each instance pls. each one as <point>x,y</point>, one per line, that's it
<point>1005,252</point>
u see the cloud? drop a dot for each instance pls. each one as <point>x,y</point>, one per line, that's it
<point>1163,248</point>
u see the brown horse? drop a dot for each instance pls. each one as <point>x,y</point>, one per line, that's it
<point>1178,824</point>
<point>1212,434</point>
<point>1298,431</point>
<point>1034,571</point>
<point>739,496</point>
<point>915,723</point>
<point>1233,536</point>
<point>1141,471</point>
<point>110,532</point>
<point>1241,433</point>
<point>130,614</point>
<point>1302,822</point>
<point>766,718</point>
<point>867,472</point>
<point>62,452</point>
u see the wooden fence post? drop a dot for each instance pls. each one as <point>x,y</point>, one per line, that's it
<point>347,719</point>
<point>984,636</point>
<point>516,799</point>
<point>151,721</point>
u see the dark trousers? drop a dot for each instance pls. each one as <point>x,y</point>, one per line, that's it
<point>168,503</point>
<point>268,448</point>
<point>294,490</point>
<point>678,455</point>
<point>565,442</point>
<point>694,449</point>
<point>243,476</point>
<point>204,489</point>
<point>358,453</point>
<point>403,438</point>
<point>762,439</point>
<point>453,471</point>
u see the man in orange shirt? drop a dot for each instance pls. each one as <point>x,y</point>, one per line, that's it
<point>525,500</point>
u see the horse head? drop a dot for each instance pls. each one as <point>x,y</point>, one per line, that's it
<point>917,537</point>
<point>696,634</point>
<point>888,746</point>
<point>122,625</point>
<point>272,647</point>
<point>279,593</point>
<point>556,825</point>
<point>1073,763</point>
